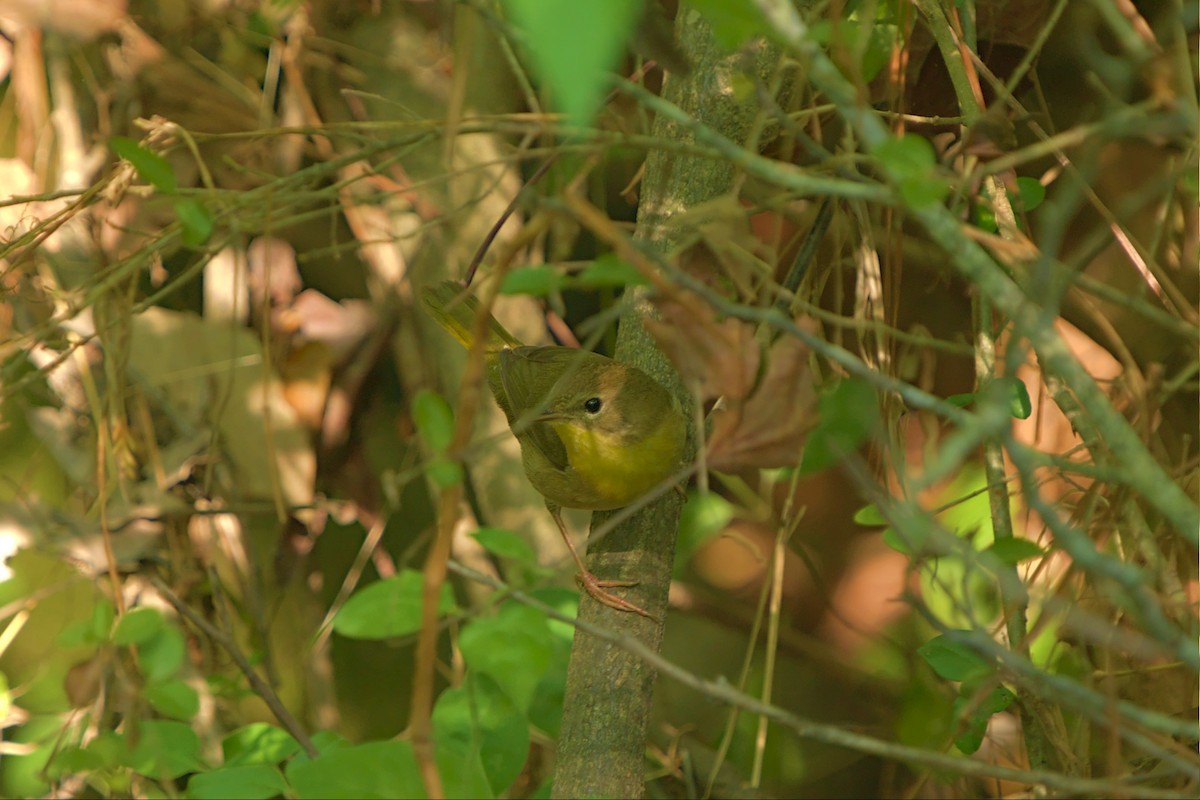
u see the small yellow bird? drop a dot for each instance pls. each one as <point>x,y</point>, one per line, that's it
<point>595,433</point>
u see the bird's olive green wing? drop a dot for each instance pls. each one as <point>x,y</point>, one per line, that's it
<point>530,377</point>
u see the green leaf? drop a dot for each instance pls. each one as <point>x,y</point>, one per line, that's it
<point>732,23</point>
<point>911,163</point>
<point>848,414</point>
<point>869,516</point>
<point>894,541</point>
<point>78,634</point>
<point>909,156</point>
<point>372,770</point>
<point>463,774</point>
<point>444,472</point>
<point>258,743</point>
<point>388,608</point>
<point>434,420</point>
<point>573,44</point>
<point>1013,550</point>
<point>162,656</point>
<point>952,660</point>
<point>152,167</point>
<point>704,515</point>
<point>251,781</point>
<point>165,749</point>
<point>607,272</point>
<point>535,281</point>
<point>138,625</point>
<point>195,220</point>
<point>71,760</point>
<point>515,648</point>
<point>998,699</point>
<point>984,218</point>
<point>1019,404</point>
<point>1030,193</point>
<point>971,738</point>
<point>174,699</point>
<point>505,544</point>
<point>879,49</point>
<point>921,192</point>
<point>961,400</point>
<point>479,720</point>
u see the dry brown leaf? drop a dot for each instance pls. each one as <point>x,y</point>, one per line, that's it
<point>763,418</point>
<point>720,358</point>
<point>768,428</point>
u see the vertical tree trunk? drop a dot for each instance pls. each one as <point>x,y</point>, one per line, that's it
<point>601,751</point>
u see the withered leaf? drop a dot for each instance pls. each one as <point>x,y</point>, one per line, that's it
<point>768,428</point>
<point>721,358</point>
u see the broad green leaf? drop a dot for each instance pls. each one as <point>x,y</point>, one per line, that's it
<point>869,516</point>
<point>573,44</point>
<point>515,648</point>
<point>971,737</point>
<point>608,271</point>
<point>162,656</point>
<point>896,542</point>
<point>251,781</point>
<point>463,774</point>
<point>1019,404</point>
<point>535,281</point>
<point>911,163</point>
<point>258,743</point>
<point>78,634</point>
<point>434,420</point>
<point>479,719</point>
<point>961,400</point>
<point>704,515</point>
<point>924,191</point>
<point>444,472</point>
<point>152,167</point>
<point>173,699</point>
<point>195,220</point>
<point>73,759</point>
<point>848,415</point>
<point>373,770</point>
<point>505,544</point>
<point>879,49</point>
<point>908,156</point>
<point>1014,550</point>
<point>1030,192</point>
<point>138,625</point>
<point>165,749</point>
<point>952,660</point>
<point>388,608</point>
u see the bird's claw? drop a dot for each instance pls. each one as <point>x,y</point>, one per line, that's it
<point>596,588</point>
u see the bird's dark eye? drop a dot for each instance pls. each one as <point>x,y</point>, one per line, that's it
<point>592,405</point>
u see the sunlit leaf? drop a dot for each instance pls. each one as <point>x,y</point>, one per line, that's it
<point>367,771</point>
<point>387,608</point>
<point>138,625</point>
<point>251,781</point>
<point>573,44</point>
<point>952,660</point>
<point>434,420</point>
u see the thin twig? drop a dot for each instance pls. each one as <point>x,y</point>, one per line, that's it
<point>260,687</point>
